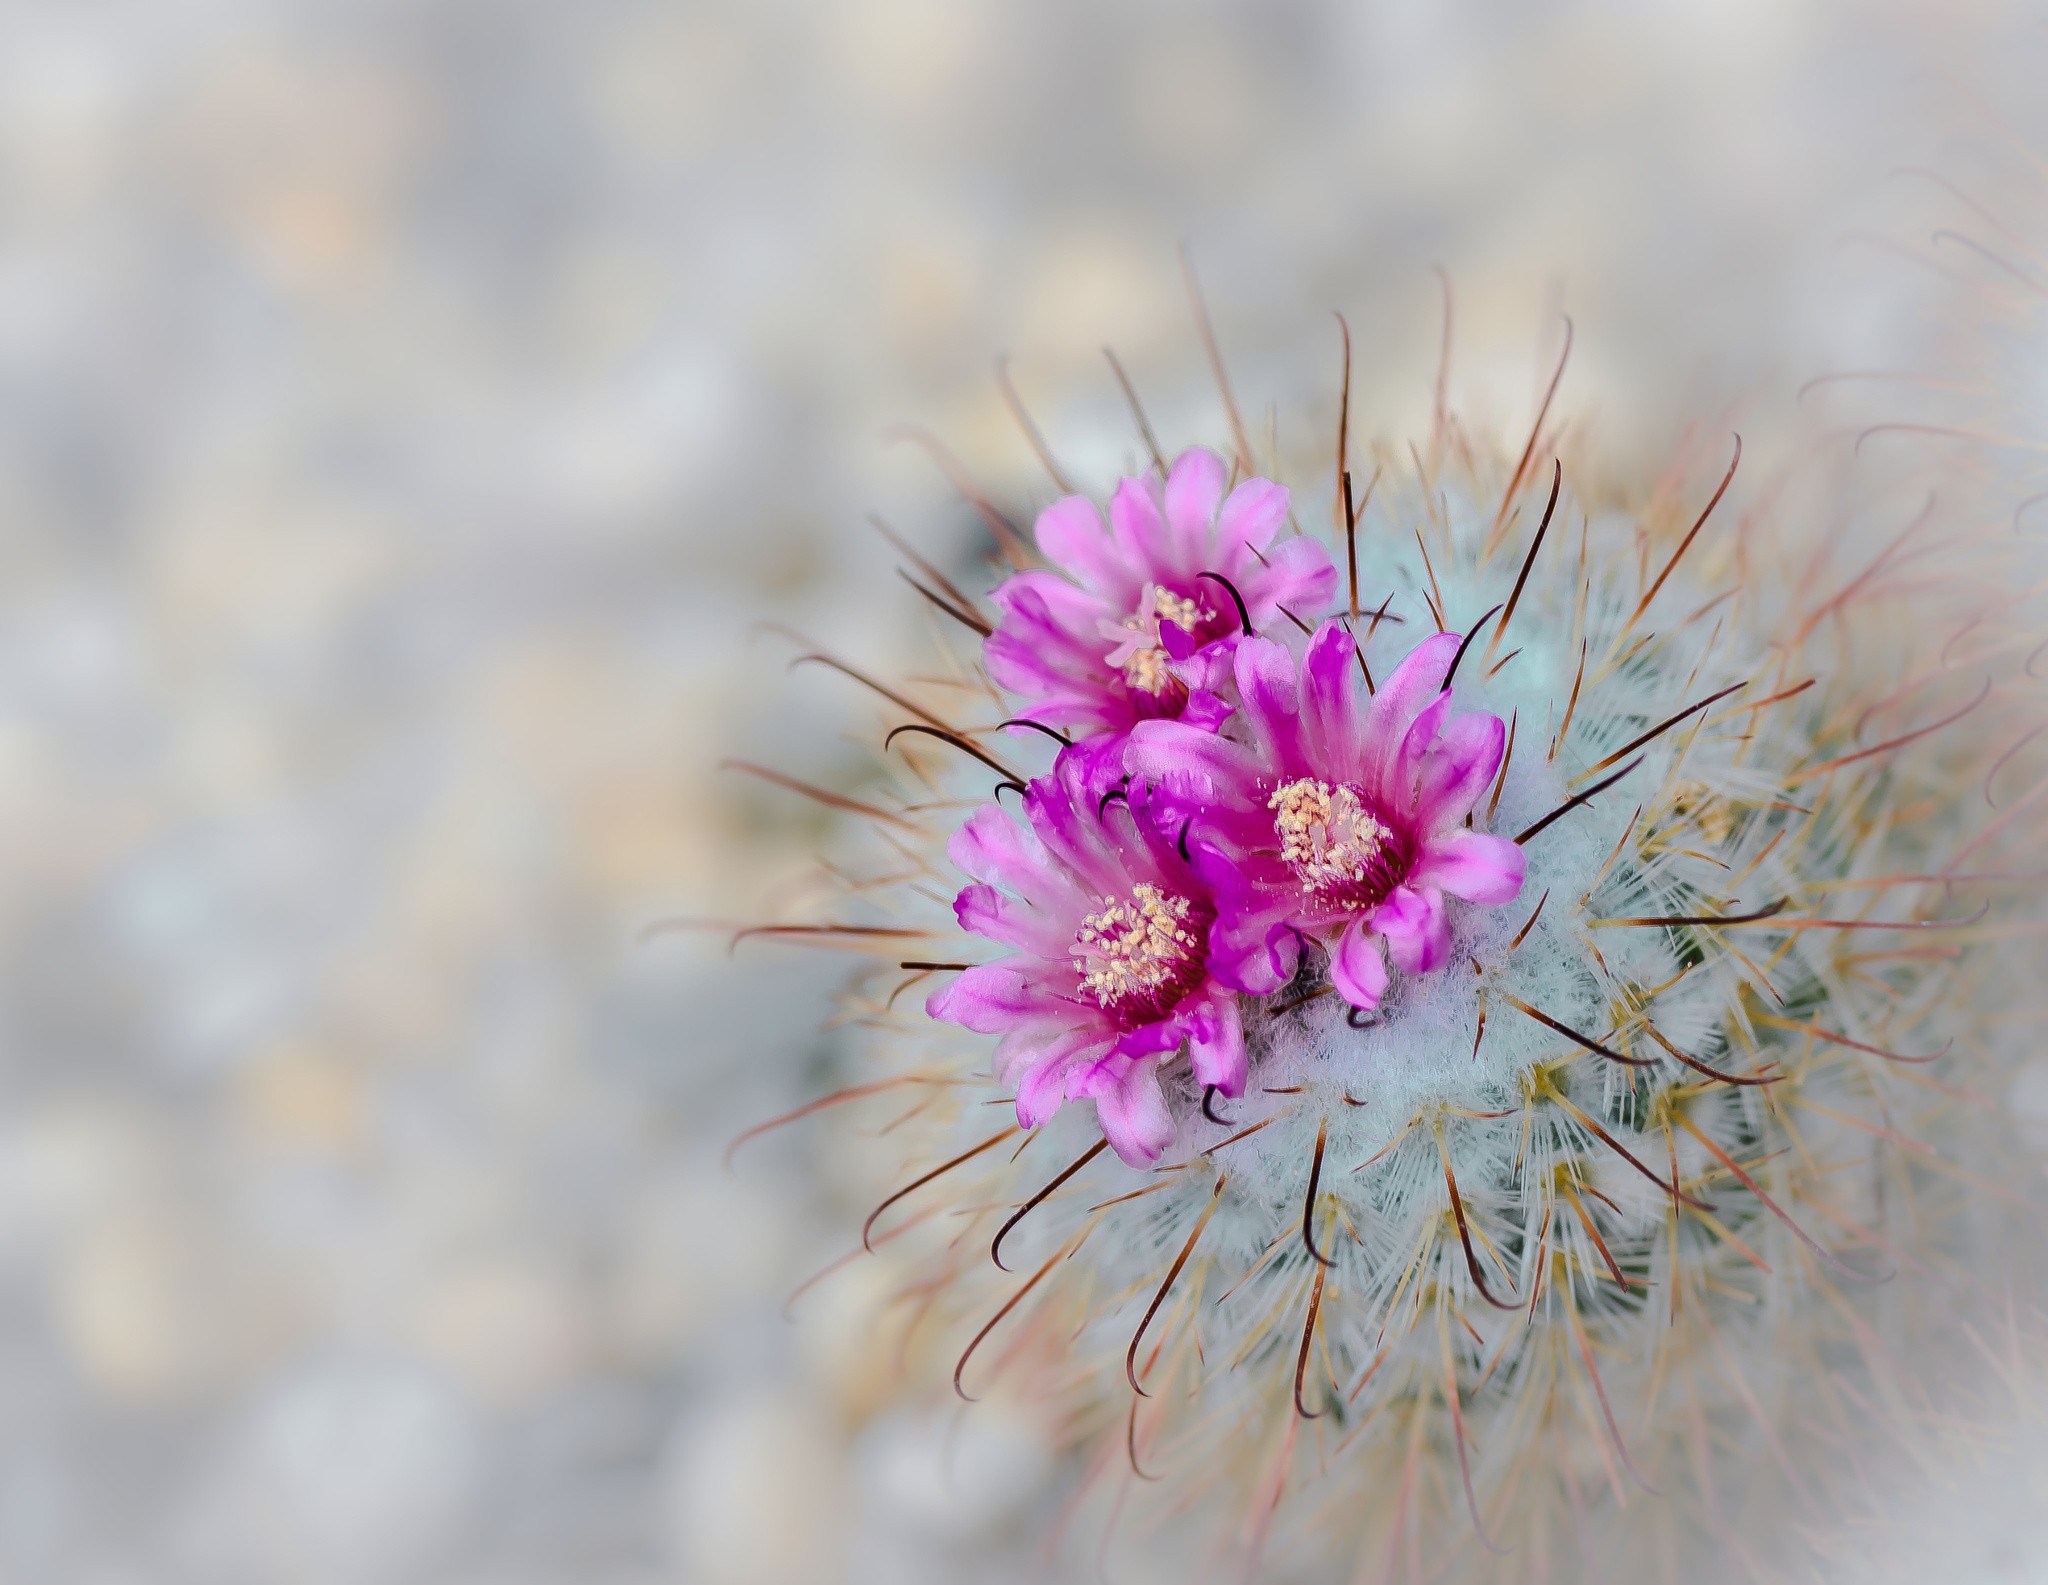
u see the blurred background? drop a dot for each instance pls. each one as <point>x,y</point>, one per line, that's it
<point>408,410</point>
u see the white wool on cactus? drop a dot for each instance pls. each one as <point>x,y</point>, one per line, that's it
<point>1563,1246</point>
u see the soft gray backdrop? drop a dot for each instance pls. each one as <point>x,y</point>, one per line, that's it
<point>406,410</point>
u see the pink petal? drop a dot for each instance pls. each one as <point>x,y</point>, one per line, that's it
<point>1459,772</point>
<point>1210,667</point>
<point>1205,711</point>
<point>1150,1040</point>
<point>1078,833</point>
<point>984,911</point>
<point>1298,574</point>
<point>1216,1046</point>
<point>994,997</point>
<point>1193,489</point>
<point>1189,761</point>
<point>990,846</point>
<point>1401,779</point>
<point>1250,518</point>
<point>1470,864</point>
<point>1404,693</point>
<point>1140,530</point>
<point>1134,1117</point>
<point>1045,600</point>
<point>1417,931</point>
<point>1329,704</point>
<point>1356,967</point>
<point>1071,535</point>
<point>1043,1087</point>
<point>1255,954</point>
<point>1266,683</point>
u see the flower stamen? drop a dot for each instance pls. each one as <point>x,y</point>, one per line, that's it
<point>1330,837</point>
<point>1138,653</point>
<point>1137,951</point>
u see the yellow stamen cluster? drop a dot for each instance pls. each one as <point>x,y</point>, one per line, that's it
<point>1128,949</point>
<point>1326,833</point>
<point>1137,651</point>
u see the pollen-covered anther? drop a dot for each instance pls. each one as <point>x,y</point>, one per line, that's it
<point>1137,950</point>
<point>1333,841</point>
<point>1137,652</point>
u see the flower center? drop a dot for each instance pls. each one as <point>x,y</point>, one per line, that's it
<point>1140,956</point>
<point>1343,852</point>
<point>1137,652</point>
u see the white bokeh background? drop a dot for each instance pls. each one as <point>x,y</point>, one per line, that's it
<point>407,410</point>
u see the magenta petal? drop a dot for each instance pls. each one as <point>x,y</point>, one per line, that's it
<point>1043,1086</point>
<point>1205,711</point>
<point>984,911</point>
<point>1417,931</point>
<point>1187,760</point>
<point>1210,666</point>
<point>1329,704</point>
<point>1139,528</point>
<point>1411,686</point>
<point>1298,574</point>
<point>992,848</point>
<point>1266,684</point>
<point>1150,1040</point>
<point>1044,602</point>
<point>1134,1117</point>
<point>1401,778</point>
<point>1071,535</point>
<point>994,997</point>
<point>1251,517</point>
<point>1193,489</point>
<point>1356,967</point>
<point>1216,1046</point>
<point>1470,864</point>
<point>1453,778</point>
<point>1177,641</point>
<point>1253,955</point>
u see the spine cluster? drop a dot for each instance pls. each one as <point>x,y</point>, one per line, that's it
<point>1466,1017</point>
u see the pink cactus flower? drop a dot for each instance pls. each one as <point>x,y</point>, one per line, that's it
<point>1343,822</point>
<point>1109,977</point>
<point>1139,620</point>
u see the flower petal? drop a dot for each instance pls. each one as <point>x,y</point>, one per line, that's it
<point>1329,704</point>
<point>1250,518</point>
<point>1406,691</point>
<point>1205,711</point>
<point>1134,1117</point>
<point>1298,574</point>
<point>1049,1080</point>
<point>1189,762</point>
<point>1193,489</point>
<point>1071,535</point>
<point>1401,777</point>
<point>993,997</point>
<point>1470,864</point>
<point>1139,527</point>
<point>1267,686</point>
<point>1418,932</point>
<point>1216,1046</point>
<point>1356,967</point>
<point>984,911</point>
<point>991,847</point>
<point>1459,770</point>
<point>1253,952</point>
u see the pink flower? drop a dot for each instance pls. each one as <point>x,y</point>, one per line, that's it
<point>1341,821</point>
<point>1129,629</point>
<point>1109,975</point>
